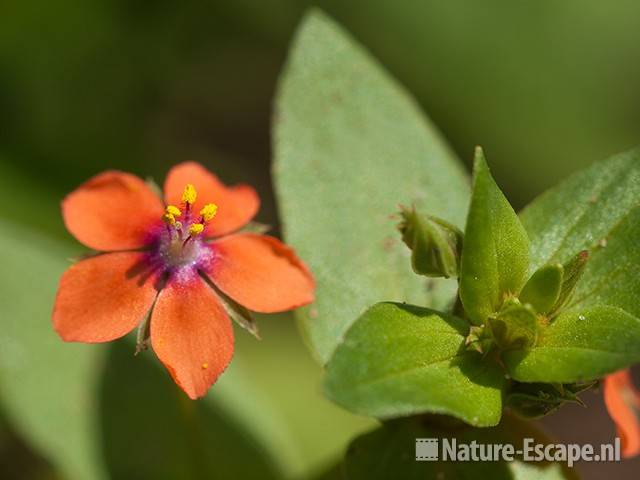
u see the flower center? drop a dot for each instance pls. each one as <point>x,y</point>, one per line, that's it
<point>181,244</point>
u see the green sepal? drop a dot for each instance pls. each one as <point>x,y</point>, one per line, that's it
<point>514,327</point>
<point>435,244</point>
<point>153,185</point>
<point>256,227</point>
<point>479,340</point>
<point>535,400</point>
<point>572,272</point>
<point>542,290</point>
<point>236,312</point>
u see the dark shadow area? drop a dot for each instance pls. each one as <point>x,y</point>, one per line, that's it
<point>389,451</point>
<point>18,461</point>
<point>146,268</point>
<point>152,430</point>
<point>576,424</point>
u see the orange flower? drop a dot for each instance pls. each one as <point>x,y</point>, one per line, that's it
<point>157,257</point>
<point>623,403</point>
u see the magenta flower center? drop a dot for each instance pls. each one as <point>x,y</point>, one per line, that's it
<point>178,249</point>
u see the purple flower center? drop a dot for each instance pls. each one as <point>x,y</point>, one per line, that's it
<point>178,249</point>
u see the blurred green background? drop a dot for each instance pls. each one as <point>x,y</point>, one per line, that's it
<point>545,86</point>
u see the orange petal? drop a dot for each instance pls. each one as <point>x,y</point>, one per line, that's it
<point>260,273</point>
<point>112,211</point>
<point>192,335</point>
<point>103,298</point>
<point>623,403</point>
<point>237,205</point>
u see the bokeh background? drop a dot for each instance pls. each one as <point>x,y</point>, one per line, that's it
<point>547,87</point>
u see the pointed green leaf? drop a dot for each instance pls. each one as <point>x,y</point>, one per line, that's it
<point>579,346</point>
<point>350,145</point>
<point>542,290</point>
<point>389,452</point>
<point>495,253</point>
<point>399,360</point>
<point>598,210</point>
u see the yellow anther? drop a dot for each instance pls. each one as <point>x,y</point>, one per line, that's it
<point>173,210</point>
<point>209,211</point>
<point>169,219</point>
<point>196,229</point>
<point>189,194</point>
<point>205,366</point>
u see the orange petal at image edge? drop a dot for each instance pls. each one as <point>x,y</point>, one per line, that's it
<point>623,403</point>
<point>112,211</point>
<point>103,297</point>
<point>260,273</point>
<point>237,204</point>
<point>192,335</point>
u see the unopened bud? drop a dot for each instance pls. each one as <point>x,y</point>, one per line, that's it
<point>434,243</point>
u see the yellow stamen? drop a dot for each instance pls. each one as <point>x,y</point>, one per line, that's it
<point>205,366</point>
<point>209,211</point>
<point>196,229</point>
<point>173,210</point>
<point>189,194</point>
<point>169,219</point>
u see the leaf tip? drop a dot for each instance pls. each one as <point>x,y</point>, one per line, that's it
<point>479,160</point>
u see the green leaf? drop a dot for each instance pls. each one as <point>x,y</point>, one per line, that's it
<point>435,244</point>
<point>495,253</point>
<point>47,387</point>
<point>350,145</point>
<point>579,346</point>
<point>514,327</point>
<point>399,360</point>
<point>542,290</point>
<point>389,452</point>
<point>598,210</point>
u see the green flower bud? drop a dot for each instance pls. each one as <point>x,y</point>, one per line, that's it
<point>479,340</point>
<point>434,243</point>
<point>515,326</point>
